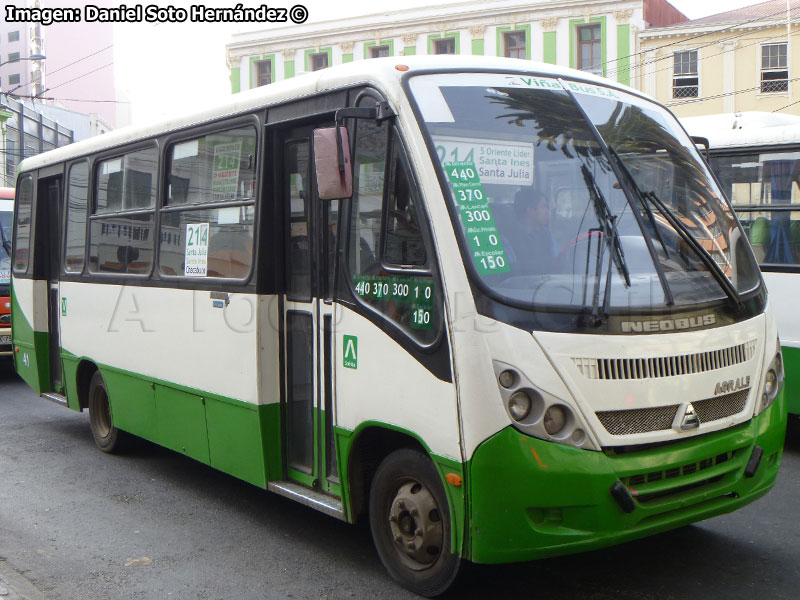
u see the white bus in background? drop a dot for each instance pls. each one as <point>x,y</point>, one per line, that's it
<point>756,158</point>
<point>495,307</point>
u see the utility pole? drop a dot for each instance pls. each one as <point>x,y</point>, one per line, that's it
<point>37,48</point>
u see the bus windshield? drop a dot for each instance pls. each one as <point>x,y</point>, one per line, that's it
<point>572,195</point>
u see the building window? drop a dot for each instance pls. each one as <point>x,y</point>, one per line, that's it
<point>444,46</point>
<point>379,51</point>
<point>318,61</point>
<point>774,68</point>
<point>263,72</point>
<point>13,57</point>
<point>589,51</point>
<point>514,42</point>
<point>684,79</point>
<point>13,79</point>
<point>13,36</point>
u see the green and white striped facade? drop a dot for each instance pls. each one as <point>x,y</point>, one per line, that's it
<point>476,28</point>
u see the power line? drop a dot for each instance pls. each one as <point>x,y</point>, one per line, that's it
<point>787,106</point>
<point>49,73</point>
<point>724,95</point>
<point>28,97</point>
<point>702,58</point>
<point>80,76</point>
<point>742,24</point>
<point>711,43</point>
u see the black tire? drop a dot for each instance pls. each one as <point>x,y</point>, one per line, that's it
<point>107,437</point>
<point>410,521</point>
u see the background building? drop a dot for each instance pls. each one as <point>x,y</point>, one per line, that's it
<point>78,72</point>
<point>594,35</point>
<point>740,60</point>
<point>24,131</point>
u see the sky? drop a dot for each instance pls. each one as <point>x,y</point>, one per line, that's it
<point>163,69</point>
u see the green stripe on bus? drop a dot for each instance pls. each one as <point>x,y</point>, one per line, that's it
<point>32,361</point>
<point>532,499</point>
<point>791,363</point>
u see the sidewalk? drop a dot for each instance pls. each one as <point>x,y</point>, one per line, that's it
<point>14,586</point>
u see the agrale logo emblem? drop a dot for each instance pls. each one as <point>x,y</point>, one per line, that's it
<point>689,420</point>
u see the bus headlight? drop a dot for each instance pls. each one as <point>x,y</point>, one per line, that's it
<point>539,414</point>
<point>519,405</point>
<point>772,382</point>
<point>555,418</point>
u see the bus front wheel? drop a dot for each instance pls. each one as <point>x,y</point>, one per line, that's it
<point>410,521</point>
<point>107,437</point>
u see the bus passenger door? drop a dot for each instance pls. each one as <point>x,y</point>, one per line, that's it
<point>49,196</point>
<point>308,325</point>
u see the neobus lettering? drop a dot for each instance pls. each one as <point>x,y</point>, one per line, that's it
<point>668,324</point>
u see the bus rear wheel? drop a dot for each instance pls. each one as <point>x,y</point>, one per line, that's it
<point>107,437</point>
<point>410,521</point>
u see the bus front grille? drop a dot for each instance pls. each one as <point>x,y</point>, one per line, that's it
<point>665,483</point>
<point>664,366</point>
<point>660,418</point>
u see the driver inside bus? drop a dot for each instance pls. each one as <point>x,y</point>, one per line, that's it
<point>534,246</point>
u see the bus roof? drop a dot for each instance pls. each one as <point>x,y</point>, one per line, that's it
<point>380,72</point>
<point>735,130</point>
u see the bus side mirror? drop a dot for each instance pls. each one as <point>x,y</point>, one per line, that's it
<point>701,141</point>
<point>332,163</point>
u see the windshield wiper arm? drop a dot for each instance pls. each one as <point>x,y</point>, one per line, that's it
<point>629,176</point>
<point>702,253</point>
<point>608,224</point>
<point>662,278</point>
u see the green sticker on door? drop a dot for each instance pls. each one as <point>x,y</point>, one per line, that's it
<point>350,355</point>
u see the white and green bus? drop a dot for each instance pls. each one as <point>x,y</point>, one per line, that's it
<point>497,308</point>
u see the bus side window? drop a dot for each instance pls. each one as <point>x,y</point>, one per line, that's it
<point>388,256</point>
<point>77,197</point>
<point>123,223</point>
<point>370,169</point>
<point>209,215</point>
<point>404,245</point>
<point>22,227</point>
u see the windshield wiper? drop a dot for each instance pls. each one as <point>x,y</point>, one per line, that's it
<point>6,242</point>
<point>669,299</point>
<point>608,225</point>
<point>702,253</point>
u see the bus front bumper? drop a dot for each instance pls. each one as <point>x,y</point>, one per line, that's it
<point>6,346</point>
<point>532,499</point>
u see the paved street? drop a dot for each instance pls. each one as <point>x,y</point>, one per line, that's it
<point>78,524</point>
